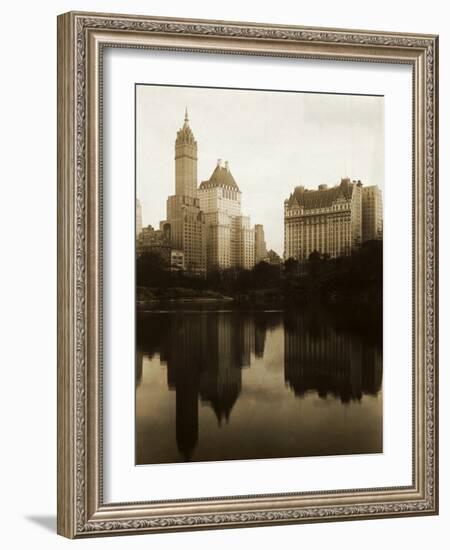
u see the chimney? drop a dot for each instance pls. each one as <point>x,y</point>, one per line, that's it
<point>323,186</point>
<point>299,189</point>
<point>227,166</point>
<point>219,163</point>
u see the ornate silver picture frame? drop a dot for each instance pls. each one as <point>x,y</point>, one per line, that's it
<point>82,41</point>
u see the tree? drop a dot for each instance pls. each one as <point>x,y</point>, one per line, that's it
<point>291,266</point>
<point>265,275</point>
<point>151,270</point>
<point>314,263</point>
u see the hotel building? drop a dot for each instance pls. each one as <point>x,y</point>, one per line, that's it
<point>230,239</point>
<point>332,220</point>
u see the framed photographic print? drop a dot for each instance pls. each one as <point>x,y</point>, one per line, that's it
<point>247,287</point>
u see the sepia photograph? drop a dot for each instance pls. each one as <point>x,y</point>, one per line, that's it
<point>247,274</point>
<point>259,274</point>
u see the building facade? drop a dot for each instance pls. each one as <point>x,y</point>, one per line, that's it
<point>230,238</point>
<point>245,243</point>
<point>372,213</point>
<point>328,220</point>
<point>260,244</point>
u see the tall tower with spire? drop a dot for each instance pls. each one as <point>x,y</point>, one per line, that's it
<point>184,218</point>
<point>186,161</point>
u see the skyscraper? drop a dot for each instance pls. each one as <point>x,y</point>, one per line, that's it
<point>185,219</point>
<point>372,213</point>
<point>260,244</point>
<point>230,239</point>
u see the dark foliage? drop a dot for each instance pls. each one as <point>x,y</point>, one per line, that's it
<point>355,280</point>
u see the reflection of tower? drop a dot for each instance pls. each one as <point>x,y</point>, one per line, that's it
<point>248,339</point>
<point>260,335</point>
<point>187,224</point>
<point>186,417</point>
<point>184,364</point>
<point>318,358</point>
<point>220,384</point>
<point>204,353</point>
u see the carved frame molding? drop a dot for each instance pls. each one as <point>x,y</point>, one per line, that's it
<point>81,39</point>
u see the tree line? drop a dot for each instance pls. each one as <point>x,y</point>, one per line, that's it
<point>357,277</point>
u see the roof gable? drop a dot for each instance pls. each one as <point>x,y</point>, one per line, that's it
<point>221,177</point>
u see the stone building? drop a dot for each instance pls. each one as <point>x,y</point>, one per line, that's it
<point>230,238</point>
<point>260,244</point>
<point>157,241</point>
<point>328,220</point>
<point>149,238</point>
<point>372,213</point>
<point>245,243</point>
<point>184,216</point>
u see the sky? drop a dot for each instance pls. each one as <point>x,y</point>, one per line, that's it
<point>273,141</point>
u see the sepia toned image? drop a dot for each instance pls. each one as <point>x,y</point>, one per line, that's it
<point>259,274</point>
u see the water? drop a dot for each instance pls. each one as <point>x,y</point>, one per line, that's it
<point>262,384</point>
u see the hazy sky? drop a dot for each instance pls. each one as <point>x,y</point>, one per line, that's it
<point>272,140</point>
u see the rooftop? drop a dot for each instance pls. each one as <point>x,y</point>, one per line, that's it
<point>221,177</point>
<point>324,196</point>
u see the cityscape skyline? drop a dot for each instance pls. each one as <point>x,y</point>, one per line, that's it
<point>323,119</point>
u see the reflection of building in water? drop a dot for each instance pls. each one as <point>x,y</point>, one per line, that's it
<point>184,364</point>
<point>139,359</point>
<point>205,363</point>
<point>246,340</point>
<point>220,383</point>
<point>260,335</point>
<point>317,358</point>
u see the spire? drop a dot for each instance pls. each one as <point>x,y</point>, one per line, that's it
<point>184,134</point>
